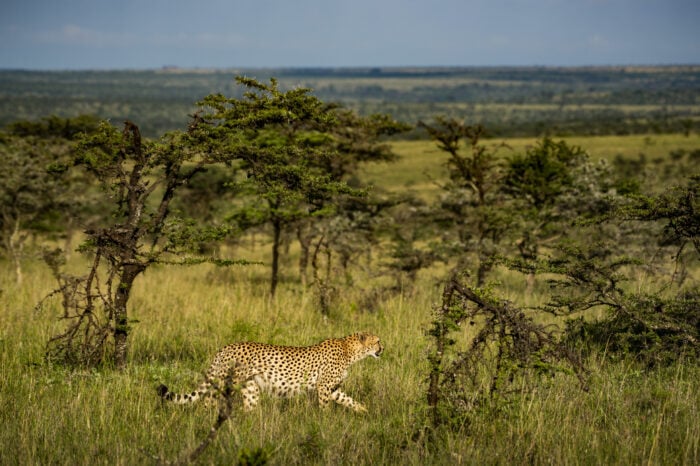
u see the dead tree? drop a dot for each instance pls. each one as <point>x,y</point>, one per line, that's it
<point>507,344</point>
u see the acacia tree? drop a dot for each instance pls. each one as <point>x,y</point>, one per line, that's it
<point>472,209</point>
<point>351,229</point>
<point>142,178</point>
<point>542,183</point>
<point>26,193</point>
<point>586,270</point>
<point>274,136</point>
<point>357,140</point>
<point>35,192</point>
<point>296,152</point>
<point>652,326</point>
<point>677,208</point>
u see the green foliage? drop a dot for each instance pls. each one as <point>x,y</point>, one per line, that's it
<point>677,208</point>
<point>584,275</point>
<point>37,196</point>
<point>279,138</point>
<point>507,349</point>
<point>276,136</point>
<point>141,178</point>
<point>207,194</point>
<point>554,187</point>
<point>55,127</point>
<point>472,212</point>
<point>653,330</point>
<point>184,235</point>
<point>357,140</point>
<point>543,173</point>
<point>653,327</point>
<point>296,152</point>
<point>29,191</point>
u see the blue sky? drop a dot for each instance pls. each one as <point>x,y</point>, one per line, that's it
<point>137,34</point>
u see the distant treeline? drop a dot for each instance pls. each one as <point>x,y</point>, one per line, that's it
<point>509,101</point>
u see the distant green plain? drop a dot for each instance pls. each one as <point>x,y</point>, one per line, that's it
<point>421,164</point>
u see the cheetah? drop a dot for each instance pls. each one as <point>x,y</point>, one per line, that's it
<point>285,371</point>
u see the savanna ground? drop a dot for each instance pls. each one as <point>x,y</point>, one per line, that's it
<point>54,415</point>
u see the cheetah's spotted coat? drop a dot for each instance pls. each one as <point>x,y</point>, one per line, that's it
<point>285,371</point>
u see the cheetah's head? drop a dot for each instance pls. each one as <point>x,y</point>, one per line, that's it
<point>368,344</point>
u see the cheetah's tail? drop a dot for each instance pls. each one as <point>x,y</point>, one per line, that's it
<point>184,398</point>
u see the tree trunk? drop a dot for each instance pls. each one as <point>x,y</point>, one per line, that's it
<point>14,242</point>
<point>439,332</point>
<point>481,273</point>
<point>121,320</point>
<point>304,237</point>
<point>276,236</point>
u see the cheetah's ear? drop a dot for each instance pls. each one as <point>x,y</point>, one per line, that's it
<point>363,337</point>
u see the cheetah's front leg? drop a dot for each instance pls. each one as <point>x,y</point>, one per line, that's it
<point>344,399</point>
<point>329,389</point>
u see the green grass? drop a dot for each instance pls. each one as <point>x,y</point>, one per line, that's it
<point>51,415</point>
<point>422,164</point>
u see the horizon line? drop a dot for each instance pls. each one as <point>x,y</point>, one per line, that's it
<point>370,68</point>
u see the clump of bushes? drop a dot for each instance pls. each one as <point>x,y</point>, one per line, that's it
<point>653,330</point>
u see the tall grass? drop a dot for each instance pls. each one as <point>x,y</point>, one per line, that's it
<point>52,415</point>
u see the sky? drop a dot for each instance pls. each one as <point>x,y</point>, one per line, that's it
<point>147,34</point>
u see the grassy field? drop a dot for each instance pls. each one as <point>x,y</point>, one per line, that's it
<point>421,163</point>
<point>52,415</point>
